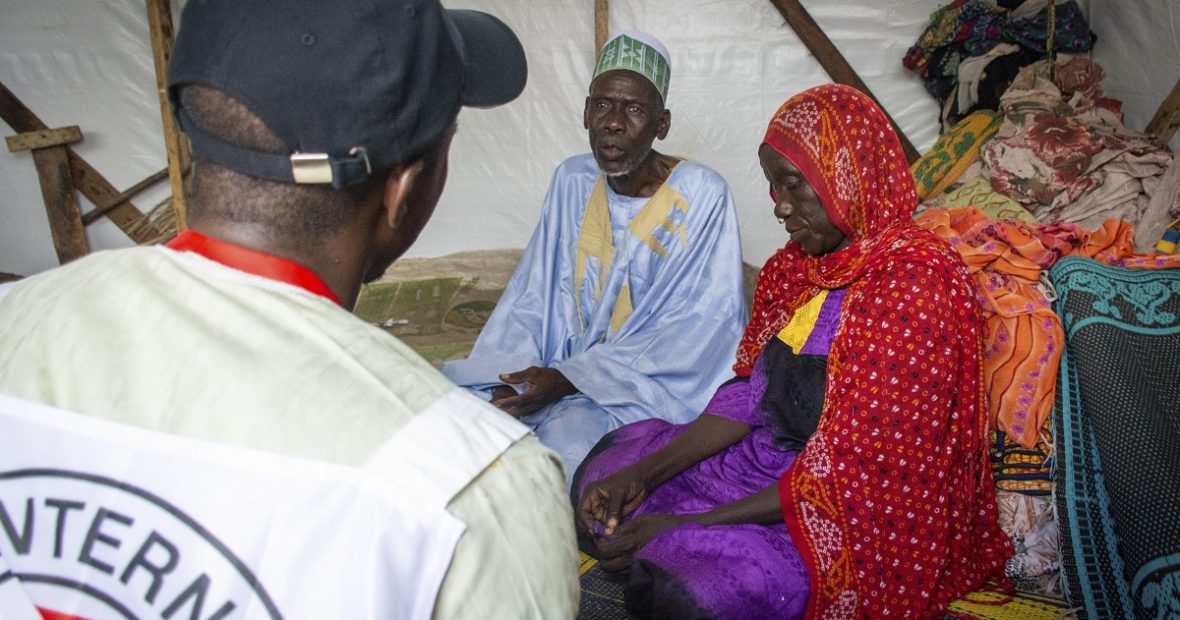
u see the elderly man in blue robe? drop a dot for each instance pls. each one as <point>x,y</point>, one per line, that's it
<point>627,303</point>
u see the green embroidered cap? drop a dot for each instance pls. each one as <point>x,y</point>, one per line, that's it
<point>638,52</point>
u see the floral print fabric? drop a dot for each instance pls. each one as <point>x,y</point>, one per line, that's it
<point>1064,153</point>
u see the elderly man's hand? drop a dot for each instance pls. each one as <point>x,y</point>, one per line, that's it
<point>500,392</point>
<point>545,385</point>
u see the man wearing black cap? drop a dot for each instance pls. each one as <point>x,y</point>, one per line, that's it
<point>203,430</point>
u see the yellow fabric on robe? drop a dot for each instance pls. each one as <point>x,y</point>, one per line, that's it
<point>796,332</point>
<point>595,240</point>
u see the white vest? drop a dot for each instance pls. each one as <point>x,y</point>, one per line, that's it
<point>104,520</point>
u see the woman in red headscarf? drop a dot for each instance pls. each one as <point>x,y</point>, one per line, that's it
<point>856,416</point>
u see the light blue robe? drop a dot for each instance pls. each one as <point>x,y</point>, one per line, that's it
<point>667,357</point>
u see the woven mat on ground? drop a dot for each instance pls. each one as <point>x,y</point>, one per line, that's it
<point>439,318</point>
<point>602,599</point>
<point>1117,414</point>
<point>437,306</point>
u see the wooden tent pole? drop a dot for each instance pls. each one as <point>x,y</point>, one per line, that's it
<point>1166,120</point>
<point>601,25</point>
<point>85,178</point>
<point>832,60</point>
<point>159,14</point>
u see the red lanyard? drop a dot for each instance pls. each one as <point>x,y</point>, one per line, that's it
<point>257,263</point>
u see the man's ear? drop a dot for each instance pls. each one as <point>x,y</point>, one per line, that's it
<point>586,114</point>
<point>665,124</point>
<point>398,187</point>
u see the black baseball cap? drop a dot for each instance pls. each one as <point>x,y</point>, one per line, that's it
<point>351,87</point>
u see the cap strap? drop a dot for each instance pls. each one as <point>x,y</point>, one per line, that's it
<point>303,168</point>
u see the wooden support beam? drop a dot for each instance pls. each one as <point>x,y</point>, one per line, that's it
<point>601,24</point>
<point>179,159</point>
<point>57,188</point>
<point>61,203</point>
<point>1166,120</point>
<point>92,216</point>
<point>833,61</point>
<point>86,179</point>
<point>44,138</point>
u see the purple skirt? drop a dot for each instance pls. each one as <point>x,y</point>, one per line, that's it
<point>692,571</point>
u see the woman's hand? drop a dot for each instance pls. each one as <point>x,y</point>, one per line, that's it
<point>607,501</point>
<point>619,552</point>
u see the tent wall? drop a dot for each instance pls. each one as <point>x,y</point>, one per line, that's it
<point>733,62</point>
<point>1139,46</point>
<point>77,63</point>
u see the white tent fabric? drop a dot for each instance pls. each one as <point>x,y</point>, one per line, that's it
<point>734,61</point>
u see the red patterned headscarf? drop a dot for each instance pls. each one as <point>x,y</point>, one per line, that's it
<point>844,146</point>
<point>891,502</point>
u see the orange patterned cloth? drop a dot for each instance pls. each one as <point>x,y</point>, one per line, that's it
<point>1023,334</point>
<point>891,502</point>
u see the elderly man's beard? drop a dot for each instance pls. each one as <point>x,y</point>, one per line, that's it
<point>629,166</point>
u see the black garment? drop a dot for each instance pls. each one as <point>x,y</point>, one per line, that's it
<point>794,396</point>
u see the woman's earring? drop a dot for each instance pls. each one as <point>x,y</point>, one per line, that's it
<point>782,220</point>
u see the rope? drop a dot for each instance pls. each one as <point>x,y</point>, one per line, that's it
<point>1051,27</point>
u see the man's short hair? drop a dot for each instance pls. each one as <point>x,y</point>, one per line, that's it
<point>298,214</point>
